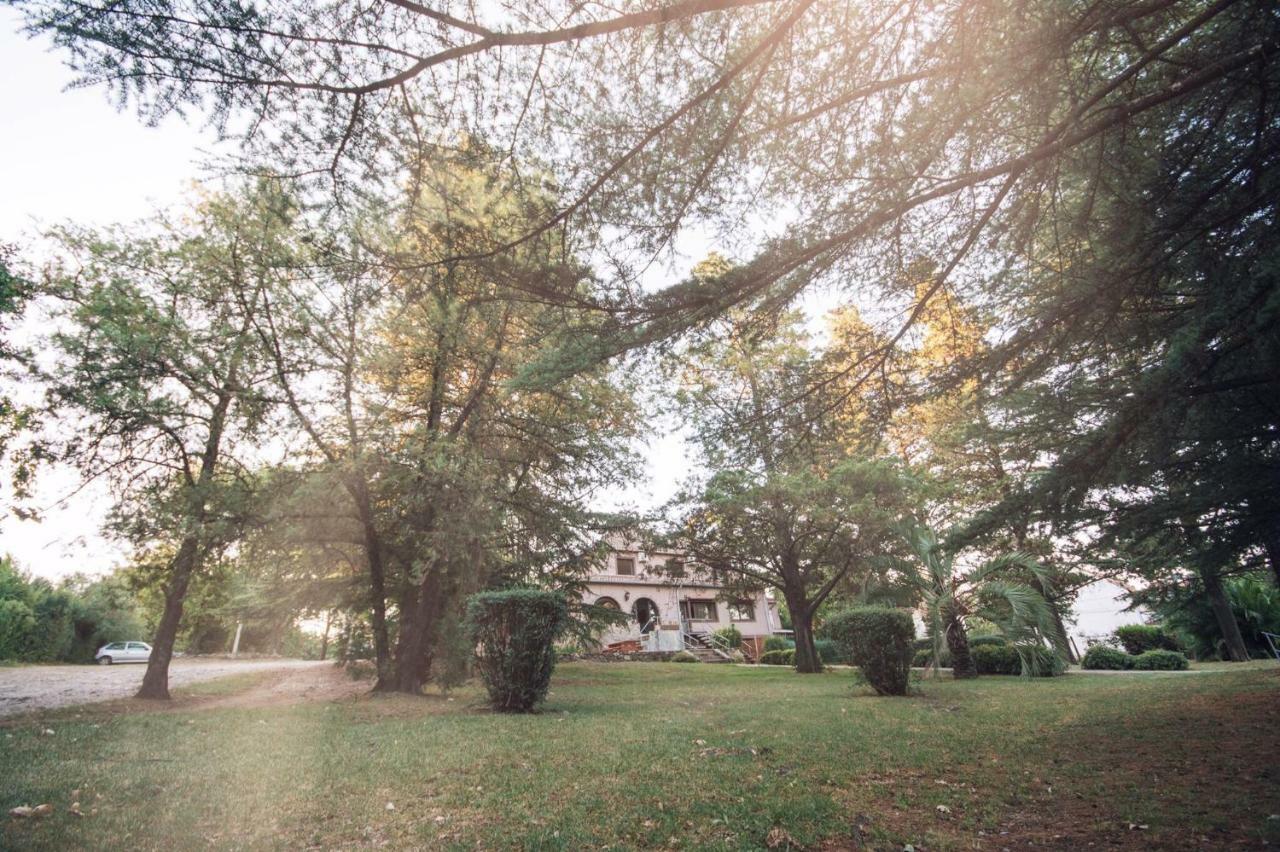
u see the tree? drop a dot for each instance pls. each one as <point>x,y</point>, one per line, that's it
<point>1019,610</point>
<point>784,503</point>
<point>415,387</point>
<point>160,377</point>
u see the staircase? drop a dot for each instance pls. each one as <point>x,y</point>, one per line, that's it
<point>701,646</point>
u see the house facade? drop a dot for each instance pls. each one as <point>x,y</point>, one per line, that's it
<point>674,605</point>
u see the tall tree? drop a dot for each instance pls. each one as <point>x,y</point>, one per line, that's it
<point>785,503</point>
<point>159,376</point>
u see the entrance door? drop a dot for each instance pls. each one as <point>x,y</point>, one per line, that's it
<point>646,614</point>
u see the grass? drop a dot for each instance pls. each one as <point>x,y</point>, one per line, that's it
<point>653,755</point>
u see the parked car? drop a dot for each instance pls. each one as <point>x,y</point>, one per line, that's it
<point>123,652</point>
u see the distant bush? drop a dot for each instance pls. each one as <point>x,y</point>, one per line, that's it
<point>732,637</point>
<point>1102,657</point>
<point>1160,660</point>
<point>1005,660</point>
<point>878,640</point>
<point>685,657</point>
<point>1137,638</point>
<point>778,643</point>
<point>979,641</point>
<point>829,651</point>
<point>780,657</point>
<point>924,658</point>
<point>514,632</point>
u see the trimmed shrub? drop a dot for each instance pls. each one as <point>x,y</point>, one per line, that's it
<point>1004,660</point>
<point>515,632</point>
<point>781,657</point>
<point>685,657</point>
<point>778,643</point>
<point>829,651</point>
<point>979,641</point>
<point>1101,657</point>
<point>1137,638</point>
<point>879,641</point>
<point>1160,660</point>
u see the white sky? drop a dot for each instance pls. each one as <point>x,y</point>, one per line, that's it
<point>69,155</point>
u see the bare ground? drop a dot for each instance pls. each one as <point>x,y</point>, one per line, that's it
<point>27,688</point>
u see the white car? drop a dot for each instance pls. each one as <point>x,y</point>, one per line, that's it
<point>123,652</point>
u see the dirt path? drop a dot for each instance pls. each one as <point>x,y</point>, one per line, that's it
<point>27,688</point>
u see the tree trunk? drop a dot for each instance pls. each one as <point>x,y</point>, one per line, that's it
<point>807,659</point>
<point>1271,543</point>
<point>417,629</point>
<point>1234,642</point>
<point>324,637</point>
<point>958,644</point>
<point>155,683</point>
<point>377,589</point>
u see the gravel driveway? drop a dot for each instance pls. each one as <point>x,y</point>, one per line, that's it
<point>24,688</point>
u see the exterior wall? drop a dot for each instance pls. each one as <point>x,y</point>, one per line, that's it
<point>667,593</point>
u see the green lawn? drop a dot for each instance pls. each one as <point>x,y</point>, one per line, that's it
<point>690,756</point>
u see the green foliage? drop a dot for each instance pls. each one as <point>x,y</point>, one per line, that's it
<point>978,641</point>
<point>1187,613</point>
<point>781,657</point>
<point>514,632</point>
<point>830,651</point>
<point>1103,657</point>
<point>1137,638</point>
<point>923,658</point>
<point>732,637</point>
<point>878,640</point>
<point>685,657</point>
<point>43,623</point>
<point>1159,659</point>
<point>1035,660</point>
<point>778,643</point>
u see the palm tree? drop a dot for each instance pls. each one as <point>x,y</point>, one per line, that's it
<point>1017,609</point>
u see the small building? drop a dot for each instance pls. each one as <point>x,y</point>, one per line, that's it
<point>675,605</point>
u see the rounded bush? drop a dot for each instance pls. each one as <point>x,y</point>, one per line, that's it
<point>1005,660</point>
<point>879,641</point>
<point>732,637</point>
<point>1137,638</point>
<point>979,641</point>
<point>782,657</point>
<point>778,643</point>
<point>1158,660</point>
<point>514,633</point>
<point>685,657</point>
<point>1101,657</point>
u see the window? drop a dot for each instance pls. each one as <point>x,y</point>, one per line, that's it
<point>625,565</point>
<point>608,603</point>
<point>675,568</point>
<point>696,610</point>
<point>116,646</point>
<point>742,611</point>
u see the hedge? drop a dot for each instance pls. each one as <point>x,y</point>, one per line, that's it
<point>1137,638</point>
<point>515,632</point>
<point>685,657</point>
<point>979,641</point>
<point>1160,660</point>
<point>1104,658</point>
<point>778,643</point>
<point>781,657</point>
<point>1005,660</point>
<point>829,651</point>
<point>879,641</point>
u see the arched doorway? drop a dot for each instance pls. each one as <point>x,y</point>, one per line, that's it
<point>646,612</point>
